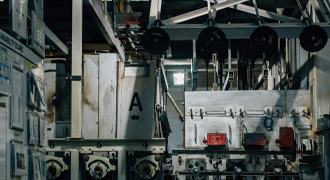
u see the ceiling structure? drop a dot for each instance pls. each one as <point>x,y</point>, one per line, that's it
<point>237,12</point>
<point>183,21</point>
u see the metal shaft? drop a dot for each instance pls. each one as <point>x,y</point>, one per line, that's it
<point>175,106</point>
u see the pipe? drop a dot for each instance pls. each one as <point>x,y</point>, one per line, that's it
<point>181,117</point>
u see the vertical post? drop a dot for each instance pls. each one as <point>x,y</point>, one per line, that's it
<point>126,6</point>
<point>194,67</point>
<point>155,9</point>
<point>121,164</point>
<point>242,59</point>
<point>77,15</point>
<point>326,153</point>
<point>114,11</point>
<point>74,168</point>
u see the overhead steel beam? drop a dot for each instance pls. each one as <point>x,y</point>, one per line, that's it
<point>155,8</point>
<point>201,12</point>
<point>56,41</point>
<point>104,24</point>
<point>321,10</point>
<point>265,14</point>
<point>185,32</point>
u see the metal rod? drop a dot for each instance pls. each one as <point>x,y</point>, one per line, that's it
<point>105,7</point>
<point>164,75</point>
<point>226,86</point>
<point>265,14</point>
<point>195,134</point>
<point>114,11</point>
<point>214,58</point>
<point>201,12</point>
<point>256,8</point>
<point>207,76</point>
<point>213,113</point>
<point>209,8</point>
<point>229,54</point>
<point>303,13</point>
<point>193,68</point>
<point>181,117</point>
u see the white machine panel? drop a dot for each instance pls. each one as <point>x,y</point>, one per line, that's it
<point>136,97</point>
<point>100,96</point>
<point>247,113</point>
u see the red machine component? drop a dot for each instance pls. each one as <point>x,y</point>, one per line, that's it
<point>217,139</point>
<point>286,137</point>
<point>252,140</point>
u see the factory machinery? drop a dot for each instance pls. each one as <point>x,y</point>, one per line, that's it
<point>227,134</point>
<point>107,117</point>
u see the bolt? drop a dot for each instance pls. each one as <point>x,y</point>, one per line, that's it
<point>197,163</point>
<point>158,157</point>
<point>195,171</point>
<point>278,171</point>
<point>85,157</point>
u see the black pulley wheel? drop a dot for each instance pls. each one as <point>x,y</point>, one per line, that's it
<point>155,40</point>
<point>313,38</point>
<point>211,40</point>
<point>264,39</point>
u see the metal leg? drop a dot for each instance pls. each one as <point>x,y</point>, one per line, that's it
<point>74,168</point>
<point>77,14</point>
<point>121,164</point>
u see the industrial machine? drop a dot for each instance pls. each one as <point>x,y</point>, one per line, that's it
<point>91,109</point>
<point>245,135</point>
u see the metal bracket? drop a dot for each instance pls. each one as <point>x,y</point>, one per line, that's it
<point>196,111</point>
<point>75,78</point>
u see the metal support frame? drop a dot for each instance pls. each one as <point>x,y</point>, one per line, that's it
<point>121,172</point>
<point>201,12</point>
<point>56,41</point>
<point>265,14</point>
<point>183,32</point>
<point>155,8</point>
<point>76,90</point>
<point>155,145</point>
<point>105,26</point>
<point>321,12</point>
<point>74,166</point>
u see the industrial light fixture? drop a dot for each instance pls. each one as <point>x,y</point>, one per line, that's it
<point>178,78</point>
